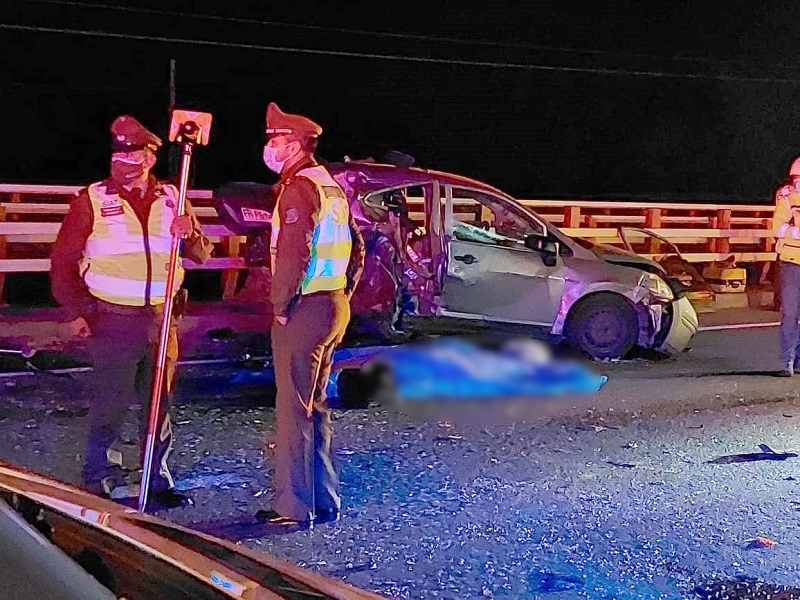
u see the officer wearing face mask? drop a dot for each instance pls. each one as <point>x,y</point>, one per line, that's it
<point>317,258</point>
<point>109,270</point>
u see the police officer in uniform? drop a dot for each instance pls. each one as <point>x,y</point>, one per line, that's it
<point>109,271</point>
<point>317,258</point>
<point>786,226</point>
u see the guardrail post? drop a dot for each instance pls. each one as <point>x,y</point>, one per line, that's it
<point>572,216</point>
<point>230,277</point>
<point>2,256</point>
<point>652,220</point>
<point>15,198</point>
<point>769,246</point>
<point>769,242</point>
<point>722,245</point>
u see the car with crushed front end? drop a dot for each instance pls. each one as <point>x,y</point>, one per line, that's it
<point>450,254</point>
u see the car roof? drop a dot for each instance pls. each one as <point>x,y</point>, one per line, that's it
<point>377,175</point>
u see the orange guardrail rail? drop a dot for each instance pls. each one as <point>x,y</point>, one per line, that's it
<point>30,217</point>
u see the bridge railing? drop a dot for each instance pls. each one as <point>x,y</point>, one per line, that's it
<point>31,215</point>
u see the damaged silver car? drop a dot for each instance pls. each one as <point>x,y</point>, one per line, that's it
<point>448,254</point>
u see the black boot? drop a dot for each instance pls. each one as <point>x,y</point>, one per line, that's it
<point>326,515</point>
<point>166,499</point>
<point>276,520</point>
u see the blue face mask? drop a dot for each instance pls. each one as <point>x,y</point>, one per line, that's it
<point>271,160</point>
<point>271,155</point>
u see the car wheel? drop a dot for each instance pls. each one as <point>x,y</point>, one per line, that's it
<point>603,326</point>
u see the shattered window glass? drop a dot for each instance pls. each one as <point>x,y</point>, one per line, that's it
<point>483,218</point>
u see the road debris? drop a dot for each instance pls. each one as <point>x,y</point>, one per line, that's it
<point>766,453</point>
<point>760,542</point>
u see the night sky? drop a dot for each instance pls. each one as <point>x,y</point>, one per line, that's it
<point>622,100</point>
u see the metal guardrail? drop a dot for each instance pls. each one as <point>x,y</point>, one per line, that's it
<point>31,215</point>
<point>30,218</point>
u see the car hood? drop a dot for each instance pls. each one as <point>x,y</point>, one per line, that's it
<point>618,256</point>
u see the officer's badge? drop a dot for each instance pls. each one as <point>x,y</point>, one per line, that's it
<point>292,215</point>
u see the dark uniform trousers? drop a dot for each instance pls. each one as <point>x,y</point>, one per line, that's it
<point>306,479</point>
<point>123,347</point>
<point>790,312</point>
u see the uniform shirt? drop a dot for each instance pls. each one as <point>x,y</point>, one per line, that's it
<point>785,226</point>
<point>293,246</point>
<point>66,282</point>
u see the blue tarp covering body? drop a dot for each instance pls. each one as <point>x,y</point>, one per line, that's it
<point>452,368</point>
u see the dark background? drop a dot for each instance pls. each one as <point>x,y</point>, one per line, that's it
<point>679,100</point>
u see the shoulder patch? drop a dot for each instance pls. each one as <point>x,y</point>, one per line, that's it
<point>786,190</point>
<point>332,191</point>
<point>292,215</point>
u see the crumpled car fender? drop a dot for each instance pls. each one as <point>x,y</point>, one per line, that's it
<point>574,291</point>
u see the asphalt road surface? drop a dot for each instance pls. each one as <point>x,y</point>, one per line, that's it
<point>617,500</point>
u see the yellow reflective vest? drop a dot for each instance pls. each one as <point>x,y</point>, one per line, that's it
<point>122,263</point>
<point>331,242</point>
<point>785,227</point>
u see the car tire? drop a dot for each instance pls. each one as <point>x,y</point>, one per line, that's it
<point>603,326</point>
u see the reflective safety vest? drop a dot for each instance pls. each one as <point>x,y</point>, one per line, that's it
<point>784,227</point>
<point>122,263</point>
<point>331,242</point>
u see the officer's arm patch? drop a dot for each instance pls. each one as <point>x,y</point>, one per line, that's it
<point>291,216</point>
<point>332,191</point>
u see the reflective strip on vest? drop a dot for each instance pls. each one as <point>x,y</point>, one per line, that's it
<point>787,248</point>
<point>116,259</point>
<point>331,243</point>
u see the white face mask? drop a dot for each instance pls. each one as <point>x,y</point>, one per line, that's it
<point>270,159</point>
<point>125,166</point>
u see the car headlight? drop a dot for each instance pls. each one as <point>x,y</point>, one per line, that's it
<point>656,286</point>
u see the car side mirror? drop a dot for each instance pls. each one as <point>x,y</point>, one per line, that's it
<point>548,247</point>
<point>550,258</point>
<point>534,242</point>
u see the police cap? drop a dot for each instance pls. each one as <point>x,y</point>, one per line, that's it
<point>128,135</point>
<point>281,123</point>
